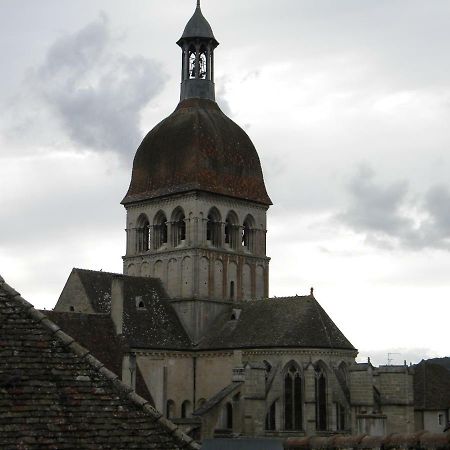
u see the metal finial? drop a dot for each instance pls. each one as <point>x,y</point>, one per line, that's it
<point>198,4</point>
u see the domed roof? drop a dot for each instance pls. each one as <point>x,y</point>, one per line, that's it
<point>197,148</point>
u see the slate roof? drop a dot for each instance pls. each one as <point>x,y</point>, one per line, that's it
<point>197,27</point>
<point>278,322</point>
<point>157,326</point>
<point>97,333</point>
<point>431,386</point>
<point>55,394</point>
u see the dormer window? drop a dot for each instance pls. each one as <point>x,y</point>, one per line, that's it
<point>140,303</point>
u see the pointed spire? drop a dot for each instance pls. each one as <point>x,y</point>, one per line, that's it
<point>198,4</point>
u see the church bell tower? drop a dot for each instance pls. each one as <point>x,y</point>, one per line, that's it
<point>197,202</point>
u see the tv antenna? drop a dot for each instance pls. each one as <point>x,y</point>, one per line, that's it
<point>390,359</point>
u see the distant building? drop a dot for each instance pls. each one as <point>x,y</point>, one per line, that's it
<point>199,332</point>
<point>432,397</point>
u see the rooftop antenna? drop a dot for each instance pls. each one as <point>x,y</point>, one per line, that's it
<point>390,359</point>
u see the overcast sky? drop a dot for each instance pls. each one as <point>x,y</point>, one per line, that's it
<point>347,103</point>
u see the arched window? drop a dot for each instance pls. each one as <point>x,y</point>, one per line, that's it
<point>178,227</point>
<point>170,409</point>
<point>293,398</point>
<point>202,64</point>
<point>159,230</point>
<point>143,234</point>
<point>192,62</point>
<point>232,290</point>
<point>213,228</point>
<point>321,398</point>
<point>231,230</point>
<point>186,409</point>
<point>341,422</point>
<point>270,418</point>
<point>247,239</point>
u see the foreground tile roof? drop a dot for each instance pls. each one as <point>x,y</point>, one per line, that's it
<point>55,395</point>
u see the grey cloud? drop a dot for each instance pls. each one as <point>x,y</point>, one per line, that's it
<point>390,216</point>
<point>95,93</point>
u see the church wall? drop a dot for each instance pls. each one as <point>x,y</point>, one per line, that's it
<point>195,267</point>
<point>168,377</point>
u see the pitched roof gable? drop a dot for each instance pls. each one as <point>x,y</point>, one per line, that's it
<point>54,393</point>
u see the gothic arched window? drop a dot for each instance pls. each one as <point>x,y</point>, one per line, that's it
<point>229,416</point>
<point>213,228</point>
<point>178,227</point>
<point>159,230</point>
<point>321,398</point>
<point>293,398</point>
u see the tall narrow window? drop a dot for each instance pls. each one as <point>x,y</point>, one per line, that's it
<point>232,290</point>
<point>192,63</point>
<point>231,230</point>
<point>270,418</point>
<point>202,64</point>
<point>321,399</point>
<point>229,416</point>
<point>143,234</point>
<point>213,228</point>
<point>186,409</point>
<point>170,409</point>
<point>248,233</point>
<point>178,227</point>
<point>159,230</point>
<point>293,399</point>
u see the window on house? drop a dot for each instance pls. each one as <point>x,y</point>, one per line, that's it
<point>293,399</point>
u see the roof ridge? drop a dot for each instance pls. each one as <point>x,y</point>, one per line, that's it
<point>67,341</point>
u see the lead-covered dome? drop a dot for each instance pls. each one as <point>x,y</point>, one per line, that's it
<point>197,148</point>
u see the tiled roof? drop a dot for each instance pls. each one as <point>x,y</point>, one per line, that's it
<point>156,326</point>
<point>197,148</point>
<point>55,394</point>
<point>431,386</point>
<point>96,332</point>
<point>278,322</point>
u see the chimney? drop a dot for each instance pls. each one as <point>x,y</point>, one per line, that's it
<point>117,302</point>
